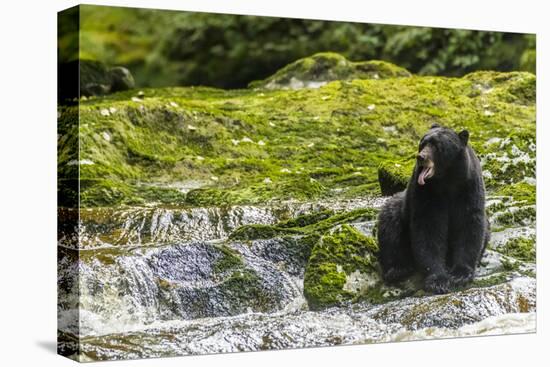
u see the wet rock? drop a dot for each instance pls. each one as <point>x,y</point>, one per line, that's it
<point>290,253</point>
<point>142,227</point>
<point>203,280</point>
<point>500,309</point>
<point>314,283</point>
<point>119,289</point>
<point>459,308</point>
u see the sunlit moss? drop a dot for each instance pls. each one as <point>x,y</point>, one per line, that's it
<point>251,146</point>
<point>522,248</point>
<point>328,66</point>
<point>335,256</point>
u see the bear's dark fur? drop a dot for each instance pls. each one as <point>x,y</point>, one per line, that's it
<point>437,225</point>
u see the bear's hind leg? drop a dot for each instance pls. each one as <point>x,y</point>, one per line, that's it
<point>395,253</point>
<point>468,242</point>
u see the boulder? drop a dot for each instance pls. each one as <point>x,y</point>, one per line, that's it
<point>393,176</point>
<point>97,79</point>
<point>321,68</point>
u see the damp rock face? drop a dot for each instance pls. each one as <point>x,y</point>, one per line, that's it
<point>310,279</point>
<point>496,310</point>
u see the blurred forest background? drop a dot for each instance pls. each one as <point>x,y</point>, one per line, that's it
<point>168,48</point>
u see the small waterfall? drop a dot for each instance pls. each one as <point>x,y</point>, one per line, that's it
<point>126,289</point>
<point>133,227</point>
<point>175,278</point>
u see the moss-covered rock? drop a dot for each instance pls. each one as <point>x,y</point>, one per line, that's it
<point>522,248</point>
<point>313,223</point>
<point>341,265</point>
<point>316,70</point>
<point>394,176</point>
<point>256,146</point>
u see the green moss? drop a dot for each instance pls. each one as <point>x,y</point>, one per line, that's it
<point>336,255</point>
<point>510,161</point>
<point>106,192</point>
<point>394,176</point>
<point>230,260</point>
<point>315,223</point>
<point>521,248</point>
<point>257,146</point>
<point>331,248</point>
<point>323,286</point>
<point>208,197</point>
<point>510,265</point>
<point>356,215</point>
<point>489,281</point>
<point>328,66</point>
<point>517,216</point>
<point>245,286</point>
<point>519,192</point>
<point>306,219</point>
<point>111,193</point>
<point>301,188</point>
<point>523,90</point>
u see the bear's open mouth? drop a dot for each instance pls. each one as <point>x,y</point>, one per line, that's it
<point>426,173</point>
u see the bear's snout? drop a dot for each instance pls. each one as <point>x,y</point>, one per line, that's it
<point>421,157</point>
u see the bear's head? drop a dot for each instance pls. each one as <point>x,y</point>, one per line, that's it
<point>438,150</point>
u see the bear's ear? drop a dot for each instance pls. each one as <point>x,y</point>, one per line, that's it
<point>434,126</point>
<point>464,135</point>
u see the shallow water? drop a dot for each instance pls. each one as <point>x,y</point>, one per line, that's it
<point>296,327</point>
<point>150,285</point>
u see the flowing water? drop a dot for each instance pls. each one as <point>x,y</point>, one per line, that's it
<point>151,282</point>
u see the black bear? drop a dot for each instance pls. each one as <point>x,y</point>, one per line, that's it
<point>437,225</point>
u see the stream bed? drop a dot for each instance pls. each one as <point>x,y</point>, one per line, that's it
<point>154,282</point>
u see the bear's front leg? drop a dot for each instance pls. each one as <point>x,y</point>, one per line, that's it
<point>429,226</point>
<point>466,242</point>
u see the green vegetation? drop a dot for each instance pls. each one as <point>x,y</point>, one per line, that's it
<point>314,223</point>
<point>522,248</point>
<point>394,176</point>
<point>325,67</point>
<point>519,192</point>
<point>332,250</point>
<point>229,260</point>
<point>336,256</point>
<point>251,147</point>
<point>164,48</point>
